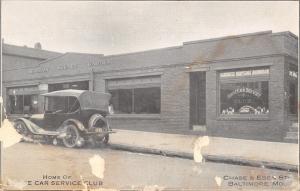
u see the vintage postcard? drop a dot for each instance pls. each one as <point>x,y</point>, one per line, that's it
<point>149,95</point>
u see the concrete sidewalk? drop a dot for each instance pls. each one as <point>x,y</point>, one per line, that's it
<point>227,150</point>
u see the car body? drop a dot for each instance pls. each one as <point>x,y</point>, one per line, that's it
<point>80,114</point>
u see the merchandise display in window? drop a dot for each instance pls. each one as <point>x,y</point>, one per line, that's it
<point>240,96</point>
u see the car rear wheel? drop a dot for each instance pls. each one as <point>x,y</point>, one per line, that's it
<point>72,136</point>
<point>21,128</point>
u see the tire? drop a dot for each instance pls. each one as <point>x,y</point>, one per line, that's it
<point>72,136</point>
<point>21,128</point>
<point>99,122</point>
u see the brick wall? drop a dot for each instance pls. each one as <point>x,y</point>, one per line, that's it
<point>175,98</point>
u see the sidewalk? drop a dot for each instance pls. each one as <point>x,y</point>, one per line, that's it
<point>227,150</point>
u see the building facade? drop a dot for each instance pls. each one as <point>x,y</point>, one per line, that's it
<point>239,86</point>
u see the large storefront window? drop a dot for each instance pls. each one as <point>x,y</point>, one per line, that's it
<point>243,93</point>
<point>23,104</point>
<point>137,100</point>
<point>135,95</point>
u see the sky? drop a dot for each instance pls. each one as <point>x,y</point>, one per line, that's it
<point>121,27</point>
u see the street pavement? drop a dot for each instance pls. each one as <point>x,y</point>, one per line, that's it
<point>45,165</point>
<point>228,150</point>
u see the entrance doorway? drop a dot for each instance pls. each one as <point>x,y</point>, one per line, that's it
<point>198,101</point>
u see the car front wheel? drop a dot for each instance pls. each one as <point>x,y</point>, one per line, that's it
<point>72,136</point>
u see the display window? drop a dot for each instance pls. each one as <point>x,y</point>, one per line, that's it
<point>244,94</point>
<point>135,95</point>
<point>137,100</point>
<point>23,104</point>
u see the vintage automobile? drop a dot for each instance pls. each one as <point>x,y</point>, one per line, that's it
<point>72,117</point>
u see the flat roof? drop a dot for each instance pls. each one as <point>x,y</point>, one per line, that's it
<point>25,51</point>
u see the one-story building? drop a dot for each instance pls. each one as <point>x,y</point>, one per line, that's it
<point>241,86</point>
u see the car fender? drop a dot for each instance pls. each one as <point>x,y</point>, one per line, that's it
<point>78,124</point>
<point>29,124</point>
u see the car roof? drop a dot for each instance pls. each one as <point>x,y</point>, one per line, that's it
<point>87,99</point>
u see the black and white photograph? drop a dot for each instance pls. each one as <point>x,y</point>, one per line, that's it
<point>149,95</point>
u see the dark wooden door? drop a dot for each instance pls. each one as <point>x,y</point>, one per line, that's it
<point>197,98</point>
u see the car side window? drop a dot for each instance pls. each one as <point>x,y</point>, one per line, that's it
<point>55,105</point>
<point>73,104</point>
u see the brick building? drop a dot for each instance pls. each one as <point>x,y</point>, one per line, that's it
<point>238,86</point>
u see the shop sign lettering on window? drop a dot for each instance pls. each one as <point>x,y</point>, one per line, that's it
<point>293,74</point>
<point>242,73</point>
<point>244,90</point>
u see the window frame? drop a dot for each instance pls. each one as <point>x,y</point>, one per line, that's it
<point>240,79</point>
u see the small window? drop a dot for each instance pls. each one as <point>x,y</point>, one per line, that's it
<point>73,104</point>
<point>56,104</point>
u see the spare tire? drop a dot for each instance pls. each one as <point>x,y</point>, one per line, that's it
<point>98,121</point>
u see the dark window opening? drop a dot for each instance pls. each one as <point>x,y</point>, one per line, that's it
<point>293,95</point>
<point>138,100</point>
<point>23,104</point>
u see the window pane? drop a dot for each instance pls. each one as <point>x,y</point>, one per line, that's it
<point>55,104</point>
<point>122,100</point>
<point>73,104</point>
<point>244,98</point>
<point>16,104</point>
<point>147,100</point>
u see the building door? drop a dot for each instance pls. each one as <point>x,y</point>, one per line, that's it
<point>198,101</point>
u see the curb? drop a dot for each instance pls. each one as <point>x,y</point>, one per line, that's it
<point>211,158</point>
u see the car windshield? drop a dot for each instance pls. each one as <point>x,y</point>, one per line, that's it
<point>61,104</point>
